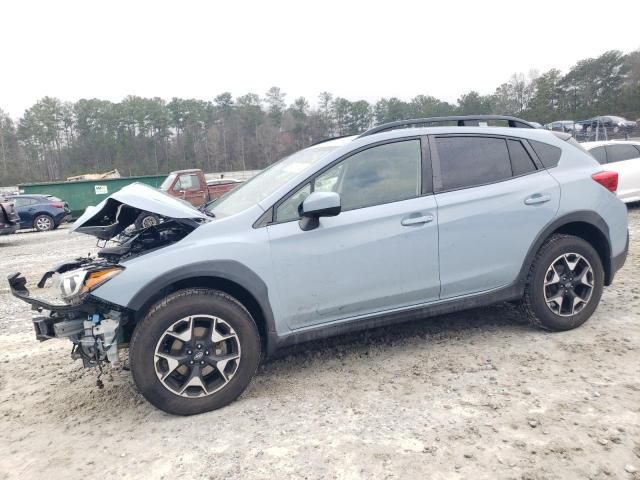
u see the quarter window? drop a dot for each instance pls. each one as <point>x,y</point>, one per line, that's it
<point>521,162</point>
<point>548,154</point>
<point>470,161</point>
<point>288,210</point>
<point>619,153</point>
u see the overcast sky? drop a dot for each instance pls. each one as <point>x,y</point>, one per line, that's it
<point>358,50</point>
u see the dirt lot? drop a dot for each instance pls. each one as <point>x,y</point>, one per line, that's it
<point>472,395</point>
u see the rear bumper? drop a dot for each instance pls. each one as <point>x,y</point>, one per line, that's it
<point>617,262</point>
<point>61,217</point>
<point>8,229</point>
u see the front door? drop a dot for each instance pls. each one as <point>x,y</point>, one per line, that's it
<point>189,187</point>
<point>378,254</point>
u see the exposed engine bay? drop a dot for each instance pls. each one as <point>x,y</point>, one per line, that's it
<point>131,243</point>
<point>98,329</point>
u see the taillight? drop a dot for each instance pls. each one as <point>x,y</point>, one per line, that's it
<point>57,205</point>
<point>608,180</point>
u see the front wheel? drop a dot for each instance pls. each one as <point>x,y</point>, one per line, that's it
<point>564,285</point>
<point>195,351</point>
<point>146,220</point>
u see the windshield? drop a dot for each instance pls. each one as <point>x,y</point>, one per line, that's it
<point>267,181</point>
<point>168,182</point>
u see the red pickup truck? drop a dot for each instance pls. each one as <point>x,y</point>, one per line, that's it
<point>192,186</point>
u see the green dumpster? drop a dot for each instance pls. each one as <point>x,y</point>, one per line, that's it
<point>79,195</point>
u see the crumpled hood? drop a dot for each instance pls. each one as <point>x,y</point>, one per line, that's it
<point>119,210</point>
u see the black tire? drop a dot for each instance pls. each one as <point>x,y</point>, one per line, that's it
<point>183,303</point>
<point>43,223</point>
<point>534,303</point>
<point>146,219</point>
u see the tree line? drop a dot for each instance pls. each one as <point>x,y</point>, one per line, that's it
<point>138,136</point>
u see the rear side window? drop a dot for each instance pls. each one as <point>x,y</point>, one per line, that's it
<point>24,201</point>
<point>599,154</point>
<point>521,162</point>
<point>470,161</point>
<point>548,154</point>
<point>619,153</point>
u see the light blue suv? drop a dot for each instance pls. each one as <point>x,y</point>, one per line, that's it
<point>408,220</point>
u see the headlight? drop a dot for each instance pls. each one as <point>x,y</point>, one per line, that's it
<point>95,279</point>
<point>80,281</point>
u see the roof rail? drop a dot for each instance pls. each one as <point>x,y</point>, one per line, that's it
<point>463,121</point>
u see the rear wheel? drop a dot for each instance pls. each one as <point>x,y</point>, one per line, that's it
<point>564,285</point>
<point>43,223</point>
<point>195,351</point>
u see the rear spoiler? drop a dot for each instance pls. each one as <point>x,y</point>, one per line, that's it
<point>562,135</point>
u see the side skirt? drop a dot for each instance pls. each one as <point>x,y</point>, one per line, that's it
<point>504,294</point>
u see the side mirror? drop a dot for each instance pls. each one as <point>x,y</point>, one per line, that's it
<point>316,205</point>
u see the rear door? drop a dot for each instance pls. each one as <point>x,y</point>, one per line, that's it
<point>493,198</point>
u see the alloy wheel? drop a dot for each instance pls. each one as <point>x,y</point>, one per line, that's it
<point>43,223</point>
<point>149,221</point>
<point>197,356</point>
<point>568,284</point>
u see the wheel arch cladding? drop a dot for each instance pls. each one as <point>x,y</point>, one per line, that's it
<point>596,238</point>
<point>227,276</point>
<point>583,224</point>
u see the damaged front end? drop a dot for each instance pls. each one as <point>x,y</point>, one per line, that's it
<point>65,306</point>
<point>95,328</point>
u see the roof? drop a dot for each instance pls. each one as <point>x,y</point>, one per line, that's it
<point>29,195</point>
<point>334,142</point>
<point>460,121</point>
<point>186,170</point>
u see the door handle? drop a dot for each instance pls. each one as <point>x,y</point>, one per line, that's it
<point>536,199</point>
<point>408,221</point>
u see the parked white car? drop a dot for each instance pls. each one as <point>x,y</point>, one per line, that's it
<point>622,157</point>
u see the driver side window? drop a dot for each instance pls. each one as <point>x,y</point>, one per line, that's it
<point>186,182</point>
<point>382,174</point>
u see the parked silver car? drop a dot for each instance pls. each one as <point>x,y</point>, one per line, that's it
<point>397,223</point>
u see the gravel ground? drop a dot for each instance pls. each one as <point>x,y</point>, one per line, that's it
<point>477,394</point>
